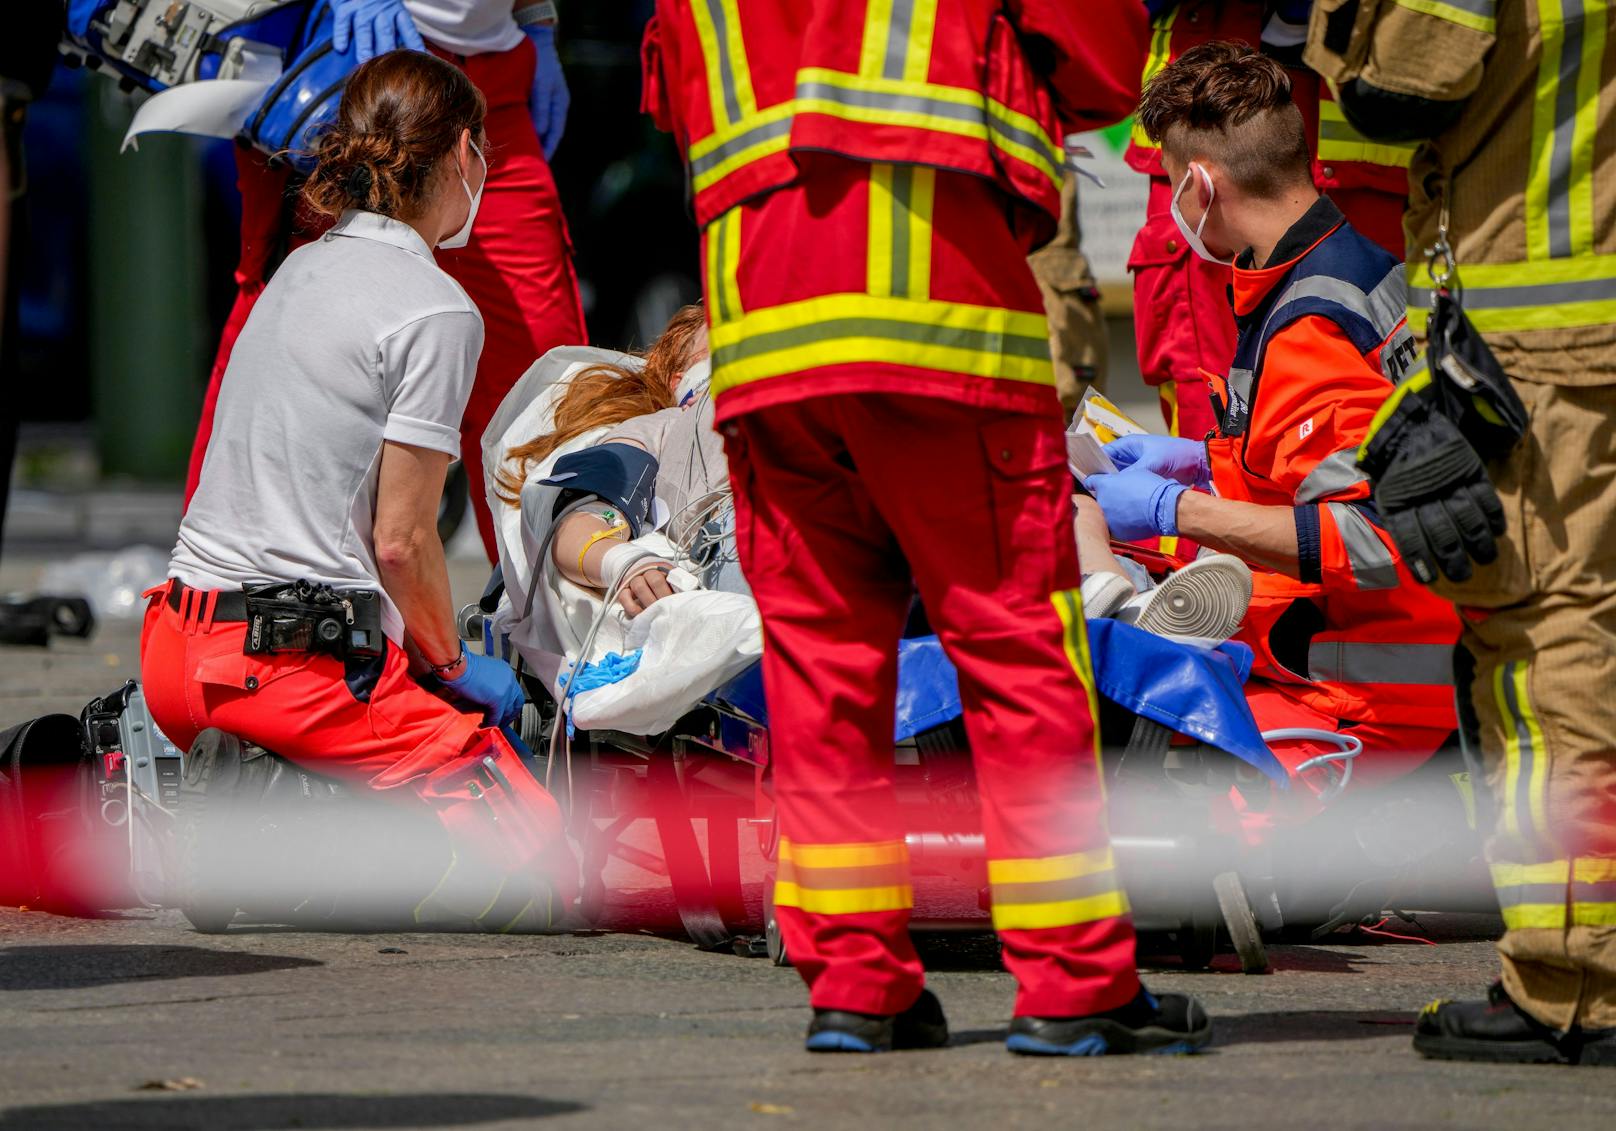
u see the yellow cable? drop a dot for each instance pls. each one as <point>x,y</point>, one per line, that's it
<point>609,532</point>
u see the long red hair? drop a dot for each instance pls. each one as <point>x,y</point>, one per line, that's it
<point>604,395</point>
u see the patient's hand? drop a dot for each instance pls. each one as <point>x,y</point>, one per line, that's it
<point>647,585</point>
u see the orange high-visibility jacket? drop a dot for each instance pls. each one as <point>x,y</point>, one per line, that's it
<point>986,87</point>
<point>1345,159</point>
<point>1323,333</point>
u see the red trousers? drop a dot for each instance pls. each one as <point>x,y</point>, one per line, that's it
<point>1183,316</point>
<point>517,267</point>
<point>840,501</point>
<point>400,738</point>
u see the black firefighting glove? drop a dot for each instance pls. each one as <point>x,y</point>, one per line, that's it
<point>1432,492</point>
<point>1424,451</point>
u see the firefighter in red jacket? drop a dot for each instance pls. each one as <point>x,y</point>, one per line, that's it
<point>1180,300</point>
<point>1345,639</point>
<point>868,189</point>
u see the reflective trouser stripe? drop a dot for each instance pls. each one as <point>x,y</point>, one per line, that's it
<point>723,265</point>
<point>1161,50</point>
<point>978,341</point>
<point>1555,894</point>
<point>1339,141</point>
<point>1526,764</point>
<point>1069,607</point>
<point>844,879</point>
<point>1055,891</point>
<point>900,231</point>
<point>1559,189</point>
<point>1346,661</point>
<point>1477,15</point>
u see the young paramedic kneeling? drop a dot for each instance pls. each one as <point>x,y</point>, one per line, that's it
<point>1345,639</point>
<point>338,418</point>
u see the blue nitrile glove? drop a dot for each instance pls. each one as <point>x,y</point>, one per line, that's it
<point>81,12</point>
<point>1138,503</point>
<point>490,683</point>
<point>375,26</point>
<point>1169,456</point>
<point>549,99</point>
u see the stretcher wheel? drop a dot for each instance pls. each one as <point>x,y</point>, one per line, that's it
<point>771,928</point>
<point>1240,922</point>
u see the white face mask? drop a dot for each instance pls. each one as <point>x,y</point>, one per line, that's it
<point>463,236</point>
<point>1194,238</point>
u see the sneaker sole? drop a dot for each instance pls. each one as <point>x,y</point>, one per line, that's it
<point>1206,600</point>
<point>1110,1039</point>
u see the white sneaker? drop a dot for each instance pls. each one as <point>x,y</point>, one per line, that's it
<point>1104,594</point>
<point>1205,600</point>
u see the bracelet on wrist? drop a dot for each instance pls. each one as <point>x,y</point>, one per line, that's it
<point>442,670</point>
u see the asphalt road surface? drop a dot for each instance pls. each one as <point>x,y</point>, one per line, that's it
<point>135,1021</point>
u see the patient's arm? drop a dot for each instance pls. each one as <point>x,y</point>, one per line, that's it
<point>1093,538</point>
<point>579,551</point>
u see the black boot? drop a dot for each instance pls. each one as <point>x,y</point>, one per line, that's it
<point>921,1026</point>
<point>1150,1023</point>
<point>1499,1031</point>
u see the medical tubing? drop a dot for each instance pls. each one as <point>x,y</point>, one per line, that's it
<point>1350,747</point>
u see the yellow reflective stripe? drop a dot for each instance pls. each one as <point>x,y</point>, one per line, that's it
<point>740,69</point>
<point>1040,870</point>
<point>878,258</point>
<point>900,231</point>
<point>1546,294</point>
<point>1477,15</point>
<point>727,149</point>
<point>1512,755</point>
<point>1339,140</point>
<point>723,57</point>
<point>711,62</point>
<point>854,855</point>
<point>1161,50</point>
<point>723,265</point>
<point>1060,913</point>
<point>1539,170</point>
<point>917,52</point>
<point>1589,69</point>
<point>1594,870</point>
<point>1593,915</point>
<point>1419,377</point>
<point>1023,138</point>
<point>1535,916</point>
<point>849,901</point>
<point>1069,607</point>
<point>951,337</point>
<point>1507,875</point>
<point>873,47</point>
<point>1537,786</point>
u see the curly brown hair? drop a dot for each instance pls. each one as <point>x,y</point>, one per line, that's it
<point>1225,102</point>
<point>401,114</point>
<point>604,395</point>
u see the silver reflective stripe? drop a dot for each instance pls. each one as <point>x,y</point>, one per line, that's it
<point>884,100</point>
<point>1383,308</point>
<point>1373,566</point>
<point>1341,661</point>
<point>903,14</point>
<point>713,158</point>
<point>1330,476</point>
<point>1565,125</point>
<point>732,104</point>
<point>1532,294</point>
<point>1487,9</point>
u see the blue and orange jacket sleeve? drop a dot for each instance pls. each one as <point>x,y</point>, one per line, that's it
<point>1317,399</point>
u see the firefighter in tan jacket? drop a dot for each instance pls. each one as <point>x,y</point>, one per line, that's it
<point>1501,491</point>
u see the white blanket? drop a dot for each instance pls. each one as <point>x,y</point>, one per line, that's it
<point>693,642</point>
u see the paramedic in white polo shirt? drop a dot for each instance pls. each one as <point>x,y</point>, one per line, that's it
<point>308,578</point>
<point>518,266</point>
